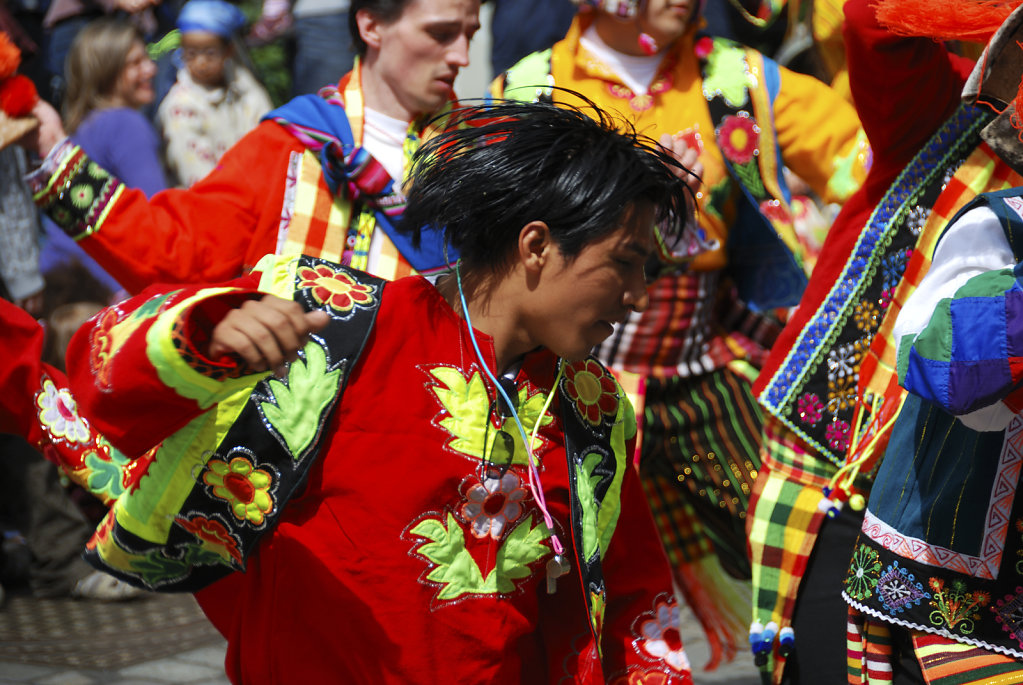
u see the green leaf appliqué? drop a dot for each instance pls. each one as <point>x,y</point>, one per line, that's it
<point>300,404</point>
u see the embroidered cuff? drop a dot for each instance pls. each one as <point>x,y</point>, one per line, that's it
<point>73,190</point>
<point>40,178</point>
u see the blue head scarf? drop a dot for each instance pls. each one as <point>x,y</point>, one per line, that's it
<point>212,16</point>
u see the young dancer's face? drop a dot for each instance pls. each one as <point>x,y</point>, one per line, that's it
<point>205,55</point>
<point>579,300</point>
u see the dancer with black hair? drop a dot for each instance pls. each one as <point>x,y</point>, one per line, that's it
<point>435,485</point>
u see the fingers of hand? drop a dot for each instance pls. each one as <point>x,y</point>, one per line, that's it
<point>265,333</point>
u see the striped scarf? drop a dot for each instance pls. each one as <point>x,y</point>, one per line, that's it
<point>330,126</point>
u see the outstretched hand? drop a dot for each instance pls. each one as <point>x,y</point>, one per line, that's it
<point>688,157</point>
<point>266,333</point>
<point>48,133</point>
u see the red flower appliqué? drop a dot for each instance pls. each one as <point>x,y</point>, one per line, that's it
<point>738,138</point>
<point>334,288</point>
<point>593,389</point>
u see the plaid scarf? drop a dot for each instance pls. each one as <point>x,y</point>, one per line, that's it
<point>330,126</point>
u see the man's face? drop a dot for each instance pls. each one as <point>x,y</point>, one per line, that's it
<point>578,301</point>
<point>419,54</point>
<point>666,20</point>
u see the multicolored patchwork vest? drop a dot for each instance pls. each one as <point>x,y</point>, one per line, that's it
<point>942,544</point>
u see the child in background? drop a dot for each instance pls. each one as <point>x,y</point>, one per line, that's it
<point>215,100</point>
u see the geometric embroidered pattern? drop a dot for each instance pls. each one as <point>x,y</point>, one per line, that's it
<point>898,589</point>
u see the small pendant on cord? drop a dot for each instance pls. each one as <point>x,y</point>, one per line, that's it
<point>556,567</point>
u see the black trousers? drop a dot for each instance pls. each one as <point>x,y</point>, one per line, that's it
<point>820,616</point>
<point>54,528</point>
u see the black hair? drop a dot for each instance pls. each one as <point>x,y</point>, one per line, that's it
<point>386,11</point>
<point>497,167</point>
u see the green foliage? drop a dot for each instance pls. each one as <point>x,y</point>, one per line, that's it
<point>269,63</point>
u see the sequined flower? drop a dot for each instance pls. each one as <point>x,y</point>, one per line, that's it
<point>660,637</point>
<point>809,407</point>
<point>863,573</point>
<point>738,138</point>
<point>867,316</point>
<point>492,504</point>
<point>594,391</point>
<point>892,268</point>
<point>244,487</point>
<point>58,413</point>
<point>837,435</point>
<point>214,536</point>
<point>916,218</point>
<point>334,288</point>
<point>841,394</point>
<point>843,361</point>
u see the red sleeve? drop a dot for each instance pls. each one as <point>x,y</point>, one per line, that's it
<point>130,383</point>
<point>21,374</point>
<point>903,88</point>
<point>213,231</point>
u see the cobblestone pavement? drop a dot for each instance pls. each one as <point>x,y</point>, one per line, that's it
<point>42,642</point>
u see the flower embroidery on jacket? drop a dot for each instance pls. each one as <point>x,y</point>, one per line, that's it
<point>334,288</point>
<point>659,635</point>
<point>837,435</point>
<point>593,389</point>
<point>899,589</point>
<point>213,536</point>
<point>810,408</point>
<point>738,138</point>
<point>863,573</point>
<point>955,607</point>
<point>101,347</point>
<point>245,488</point>
<point>59,414</point>
<point>82,196</point>
<point>492,504</point>
<point>867,316</point>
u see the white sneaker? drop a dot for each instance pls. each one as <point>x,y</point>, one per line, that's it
<point>104,587</point>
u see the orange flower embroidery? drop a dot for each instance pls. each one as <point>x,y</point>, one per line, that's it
<point>594,391</point>
<point>333,288</point>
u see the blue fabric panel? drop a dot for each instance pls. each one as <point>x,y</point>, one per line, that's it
<point>927,378</point>
<point>935,479</point>
<point>978,329</point>
<point>974,385</point>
